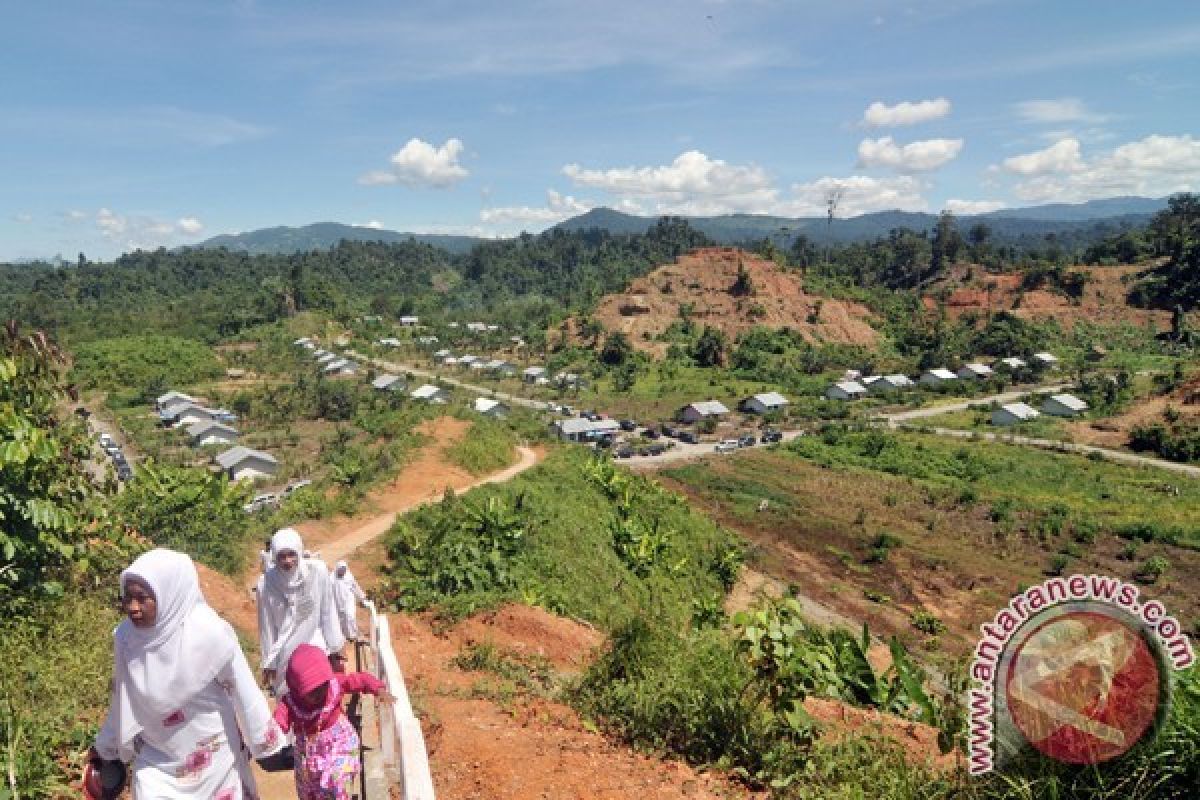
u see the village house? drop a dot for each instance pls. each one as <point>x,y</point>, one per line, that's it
<point>431,394</point>
<point>242,463</point>
<point>340,366</point>
<point>172,398</point>
<point>578,429</point>
<point>694,412</point>
<point>1046,360</point>
<point>501,367</point>
<point>476,327</point>
<point>1064,405</point>
<point>203,434</point>
<point>443,353</point>
<point>846,390</point>
<point>975,371</point>
<point>889,383</point>
<point>1012,363</point>
<point>1014,413</point>
<point>389,341</point>
<point>409,321</point>
<point>764,403</point>
<point>491,408</point>
<point>326,357</point>
<point>531,374</point>
<point>427,340</point>
<point>388,383</point>
<point>938,376</point>
<point>568,379</point>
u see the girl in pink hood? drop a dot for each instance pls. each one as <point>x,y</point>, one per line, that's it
<point>326,748</point>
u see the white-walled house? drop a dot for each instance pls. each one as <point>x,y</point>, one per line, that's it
<point>1046,360</point>
<point>203,434</point>
<point>409,322</point>
<point>1064,405</point>
<point>242,463</point>
<point>1014,413</point>
<point>938,376</point>
<point>1012,363</point>
<point>578,429</point>
<point>764,403</point>
<point>490,408</point>
<point>694,412</point>
<point>975,372</point>
<point>531,374</point>
<point>431,394</point>
<point>389,383</point>
<point>172,398</point>
<point>846,390</point>
<point>890,383</point>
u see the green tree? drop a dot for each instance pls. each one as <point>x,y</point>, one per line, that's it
<point>709,349</point>
<point>946,242</point>
<point>616,350</point>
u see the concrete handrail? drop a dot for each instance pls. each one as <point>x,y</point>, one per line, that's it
<point>403,742</point>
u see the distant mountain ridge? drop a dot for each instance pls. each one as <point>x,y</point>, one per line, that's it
<point>324,235</point>
<point>1100,216</point>
<point>1087,221</point>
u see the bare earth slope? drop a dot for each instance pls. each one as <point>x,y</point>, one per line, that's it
<point>703,279</point>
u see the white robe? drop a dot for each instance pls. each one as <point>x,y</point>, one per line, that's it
<point>347,594</point>
<point>288,619</point>
<point>184,704</point>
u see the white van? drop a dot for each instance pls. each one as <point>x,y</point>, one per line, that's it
<point>726,446</point>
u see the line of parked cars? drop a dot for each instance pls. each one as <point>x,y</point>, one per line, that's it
<point>113,451</point>
<point>273,499</point>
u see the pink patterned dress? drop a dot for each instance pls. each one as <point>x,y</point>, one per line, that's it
<point>326,747</point>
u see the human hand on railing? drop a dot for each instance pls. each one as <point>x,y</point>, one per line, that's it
<point>268,677</point>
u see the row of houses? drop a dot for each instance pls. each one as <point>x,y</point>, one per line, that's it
<point>1057,405</point>
<point>329,362</point>
<point>206,426</point>
<point>853,385</point>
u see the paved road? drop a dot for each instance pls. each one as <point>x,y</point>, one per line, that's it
<point>1002,398</point>
<point>1065,447</point>
<point>400,369</point>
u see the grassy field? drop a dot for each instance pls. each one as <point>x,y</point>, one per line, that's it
<point>896,524</point>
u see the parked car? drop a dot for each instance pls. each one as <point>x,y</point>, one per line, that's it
<point>726,446</point>
<point>295,485</point>
<point>656,449</point>
<point>553,408</point>
<point>651,433</point>
<point>567,410</point>
<point>669,430</point>
<point>628,425</point>
<point>124,472</point>
<point>260,502</point>
<point>747,441</point>
<point>772,435</point>
<point>624,451</point>
<point>688,437</point>
<point>118,458</point>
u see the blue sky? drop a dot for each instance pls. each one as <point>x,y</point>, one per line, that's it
<point>132,123</point>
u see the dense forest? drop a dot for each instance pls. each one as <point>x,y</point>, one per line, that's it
<point>531,281</point>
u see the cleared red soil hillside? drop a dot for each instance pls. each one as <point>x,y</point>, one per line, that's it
<point>968,288</point>
<point>704,279</point>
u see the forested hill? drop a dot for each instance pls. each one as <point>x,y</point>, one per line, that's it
<point>211,293</point>
<point>325,235</point>
<point>1074,226</point>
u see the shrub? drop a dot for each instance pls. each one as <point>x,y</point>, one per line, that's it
<point>486,447</point>
<point>1153,569</point>
<point>926,622</point>
<point>1058,564</point>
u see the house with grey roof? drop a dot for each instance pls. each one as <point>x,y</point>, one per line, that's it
<point>938,376</point>
<point>846,390</point>
<point>204,433</point>
<point>388,383</point>
<point>1064,405</point>
<point>431,394</point>
<point>764,403</point>
<point>1013,414</point>
<point>694,412</point>
<point>243,463</point>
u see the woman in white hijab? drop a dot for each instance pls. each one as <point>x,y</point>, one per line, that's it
<point>295,607</point>
<point>184,704</point>
<point>347,594</point>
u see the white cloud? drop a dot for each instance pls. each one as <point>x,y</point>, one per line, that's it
<point>22,218</point>
<point>1062,156</point>
<point>1065,109</point>
<point>691,184</point>
<point>189,225</point>
<point>1154,166</point>
<point>373,224</point>
<point>558,207</point>
<point>420,164</point>
<point>858,194</point>
<point>75,215</point>
<point>137,231</point>
<point>956,206</point>
<point>879,115</point>
<point>920,156</point>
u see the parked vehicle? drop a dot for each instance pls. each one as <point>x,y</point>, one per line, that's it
<point>772,435</point>
<point>669,430</point>
<point>260,502</point>
<point>624,452</point>
<point>656,449</point>
<point>124,472</point>
<point>726,446</point>
<point>628,425</point>
<point>651,433</point>
<point>747,441</point>
<point>294,485</point>
<point>688,437</point>
<point>118,458</point>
